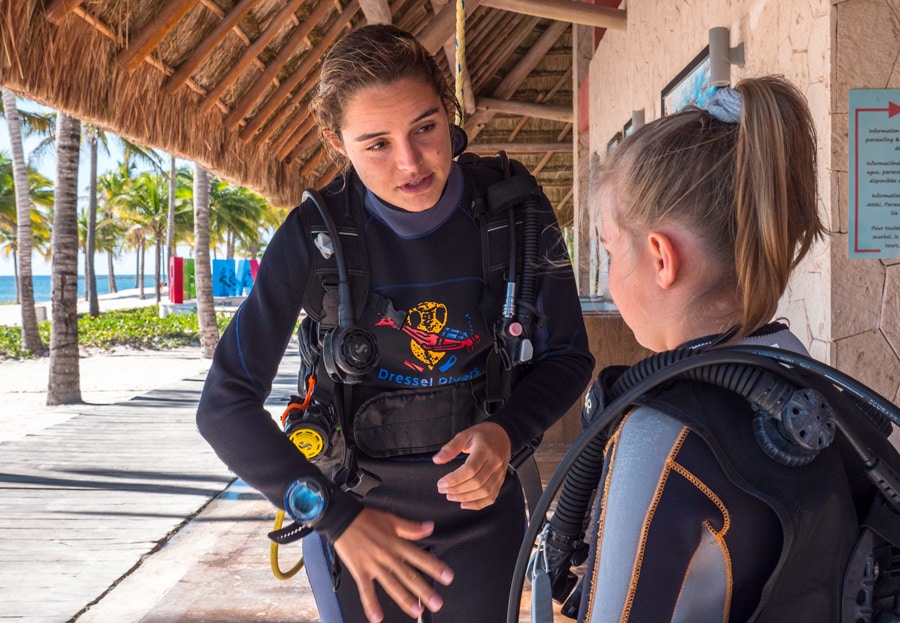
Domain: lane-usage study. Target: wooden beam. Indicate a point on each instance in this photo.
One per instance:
(264, 81)
(250, 54)
(296, 100)
(520, 148)
(313, 163)
(309, 61)
(565, 11)
(59, 9)
(143, 42)
(528, 62)
(376, 11)
(202, 51)
(292, 134)
(538, 111)
(563, 79)
(516, 29)
(310, 140)
(442, 26)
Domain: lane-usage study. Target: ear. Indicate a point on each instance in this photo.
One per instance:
(334, 140)
(666, 259)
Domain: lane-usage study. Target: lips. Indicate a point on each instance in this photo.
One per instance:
(417, 185)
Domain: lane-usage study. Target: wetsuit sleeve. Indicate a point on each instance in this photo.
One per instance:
(231, 414)
(563, 364)
(659, 530)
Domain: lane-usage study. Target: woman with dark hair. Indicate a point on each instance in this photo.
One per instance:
(440, 530)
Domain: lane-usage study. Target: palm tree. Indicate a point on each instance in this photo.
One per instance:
(31, 338)
(40, 194)
(206, 312)
(146, 205)
(235, 214)
(64, 385)
(97, 138)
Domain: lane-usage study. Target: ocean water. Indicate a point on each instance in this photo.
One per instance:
(42, 286)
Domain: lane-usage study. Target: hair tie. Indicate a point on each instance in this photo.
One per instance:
(725, 105)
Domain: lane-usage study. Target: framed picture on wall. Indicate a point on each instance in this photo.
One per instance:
(690, 86)
(615, 140)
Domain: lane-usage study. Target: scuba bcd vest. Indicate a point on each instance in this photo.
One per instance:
(803, 415)
(337, 353)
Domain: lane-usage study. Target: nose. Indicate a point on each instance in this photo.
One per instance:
(408, 156)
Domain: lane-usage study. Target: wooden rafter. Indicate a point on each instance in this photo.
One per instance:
(520, 147)
(566, 77)
(309, 141)
(202, 51)
(514, 78)
(376, 11)
(297, 128)
(565, 11)
(250, 54)
(310, 60)
(59, 9)
(145, 41)
(264, 81)
(517, 29)
(278, 117)
(538, 111)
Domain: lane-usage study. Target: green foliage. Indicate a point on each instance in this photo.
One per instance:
(140, 328)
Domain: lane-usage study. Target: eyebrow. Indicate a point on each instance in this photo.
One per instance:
(424, 115)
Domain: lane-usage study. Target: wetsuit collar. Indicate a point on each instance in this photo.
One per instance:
(414, 224)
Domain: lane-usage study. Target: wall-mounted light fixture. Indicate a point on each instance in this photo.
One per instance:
(637, 119)
(722, 56)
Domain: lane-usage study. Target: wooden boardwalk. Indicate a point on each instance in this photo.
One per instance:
(123, 514)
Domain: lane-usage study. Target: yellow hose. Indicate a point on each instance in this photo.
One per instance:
(273, 553)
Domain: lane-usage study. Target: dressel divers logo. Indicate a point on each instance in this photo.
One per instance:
(431, 343)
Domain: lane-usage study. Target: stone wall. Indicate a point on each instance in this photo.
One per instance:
(846, 312)
(865, 294)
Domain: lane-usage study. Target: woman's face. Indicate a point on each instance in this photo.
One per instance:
(397, 137)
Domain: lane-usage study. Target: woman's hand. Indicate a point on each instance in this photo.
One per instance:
(477, 483)
(376, 547)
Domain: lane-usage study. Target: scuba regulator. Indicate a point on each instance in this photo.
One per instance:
(800, 406)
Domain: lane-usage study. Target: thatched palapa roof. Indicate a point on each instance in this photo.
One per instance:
(226, 82)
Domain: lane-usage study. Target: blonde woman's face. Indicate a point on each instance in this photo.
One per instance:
(397, 137)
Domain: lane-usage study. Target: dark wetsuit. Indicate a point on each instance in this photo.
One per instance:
(703, 527)
(428, 264)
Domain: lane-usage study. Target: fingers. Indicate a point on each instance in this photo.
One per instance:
(451, 449)
(475, 492)
(377, 547)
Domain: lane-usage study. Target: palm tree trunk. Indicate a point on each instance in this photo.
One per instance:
(31, 338)
(157, 251)
(15, 259)
(64, 386)
(170, 224)
(142, 255)
(110, 270)
(206, 311)
(90, 275)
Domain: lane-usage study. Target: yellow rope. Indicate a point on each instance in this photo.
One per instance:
(460, 56)
(273, 553)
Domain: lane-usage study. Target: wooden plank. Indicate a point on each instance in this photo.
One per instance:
(205, 48)
(143, 42)
(565, 11)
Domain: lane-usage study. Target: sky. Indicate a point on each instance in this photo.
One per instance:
(126, 263)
